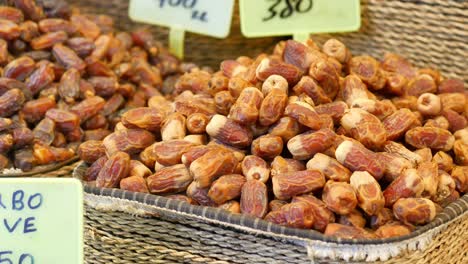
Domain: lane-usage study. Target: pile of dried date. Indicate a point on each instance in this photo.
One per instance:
(65, 77)
(307, 137)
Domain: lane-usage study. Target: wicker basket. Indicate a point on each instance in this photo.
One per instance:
(129, 227)
(125, 227)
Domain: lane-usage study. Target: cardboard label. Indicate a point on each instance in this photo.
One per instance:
(41, 221)
(207, 17)
(298, 17)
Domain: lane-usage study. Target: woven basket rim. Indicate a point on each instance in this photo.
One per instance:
(451, 212)
(40, 170)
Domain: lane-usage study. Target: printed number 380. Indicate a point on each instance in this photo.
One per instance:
(299, 6)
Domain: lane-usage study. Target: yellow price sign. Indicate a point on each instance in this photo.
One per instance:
(41, 221)
(298, 17)
(206, 17)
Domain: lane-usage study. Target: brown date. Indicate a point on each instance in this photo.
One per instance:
(171, 179)
(226, 187)
(289, 184)
(254, 198)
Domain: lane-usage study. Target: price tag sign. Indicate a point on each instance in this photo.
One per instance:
(41, 221)
(298, 17)
(206, 17)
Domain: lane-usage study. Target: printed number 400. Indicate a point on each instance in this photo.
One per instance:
(299, 6)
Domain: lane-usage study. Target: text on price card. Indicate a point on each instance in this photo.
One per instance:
(41, 221)
(288, 17)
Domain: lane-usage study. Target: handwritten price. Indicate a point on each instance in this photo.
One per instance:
(292, 6)
(187, 4)
(23, 258)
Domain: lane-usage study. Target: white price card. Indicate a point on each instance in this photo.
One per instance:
(41, 221)
(207, 17)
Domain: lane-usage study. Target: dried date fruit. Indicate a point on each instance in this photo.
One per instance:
(417, 211)
(281, 165)
(255, 168)
(254, 198)
(286, 128)
(304, 113)
(211, 165)
(226, 188)
(10, 102)
(304, 146)
(130, 140)
(460, 176)
(322, 215)
(171, 179)
(114, 170)
(199, 195)
(339, 197)
(143, 117)
(69, 88)
(67, 57)
(392, 230)
(356, 157)
(170, 152)
(368, 192)
(431, 137)
(350, 232)
(22, 136)
(460, 149)
(329, 167)
(267, 146)
(408, 184)
(364, 127)
(91, 150)
(48, 40)
(231, 206)
(383, 217)
(19, 68)
(355, 218)
(35, 110)
(398, 123)
(134, 184)
(289, 184)
(228, 131)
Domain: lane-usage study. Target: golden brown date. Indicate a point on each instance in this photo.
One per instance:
(355, 218)
(304, 146)
(211, 165)
(356, 157)
(351, 232)
(171, 179)
(364, 127)
(254, 198)
(170, 152)
(228, 131)
(339, 197)
(408, 184)
(322, 215)
(114, 170)
(431, 137)
(226, 187)
(91, 150)
(368, 192)
(267, 146)
(392, 230)
(329, 167)
(134, 184)
(289, 184)
(286, 127)
(255, 168)
(416, 211)
(130, 140)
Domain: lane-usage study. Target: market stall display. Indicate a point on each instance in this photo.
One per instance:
(330, 149)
